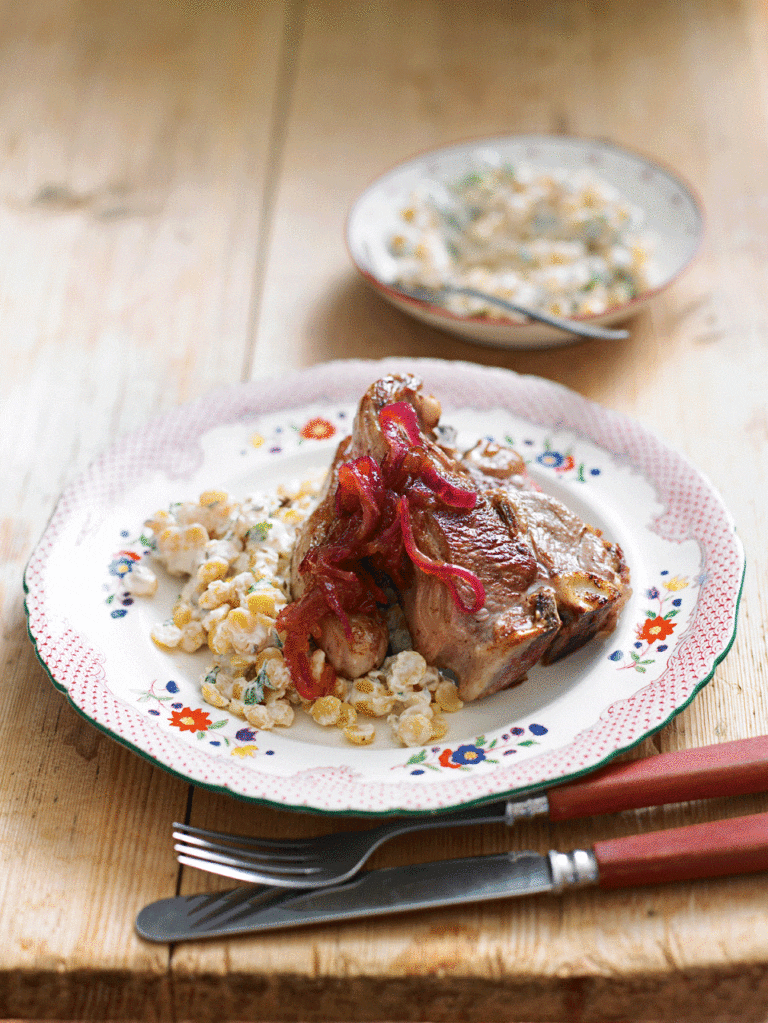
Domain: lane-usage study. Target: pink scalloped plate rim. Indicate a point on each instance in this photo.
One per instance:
(692, 568)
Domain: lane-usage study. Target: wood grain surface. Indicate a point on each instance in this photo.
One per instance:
(173, 189)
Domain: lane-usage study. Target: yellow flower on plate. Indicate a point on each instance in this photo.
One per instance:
(676, 583)
(257, 440)
(244, 751)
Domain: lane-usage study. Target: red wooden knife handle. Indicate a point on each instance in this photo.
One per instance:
(726, 769)
(735, 846)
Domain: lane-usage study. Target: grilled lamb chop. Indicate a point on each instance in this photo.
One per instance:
(492, 575)
(588, 574)
(486, 648)
(496, 646)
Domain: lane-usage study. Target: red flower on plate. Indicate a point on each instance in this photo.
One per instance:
(317, 429)
(655, 629)
(187, 720)
(445, 758)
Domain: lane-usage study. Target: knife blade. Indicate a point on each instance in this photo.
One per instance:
(713, 849)
(373, 893)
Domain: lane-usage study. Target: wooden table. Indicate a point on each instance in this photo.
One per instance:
(174, 183)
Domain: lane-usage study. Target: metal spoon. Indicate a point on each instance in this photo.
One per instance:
(435, 296)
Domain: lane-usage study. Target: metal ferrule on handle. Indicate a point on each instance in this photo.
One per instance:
(575, 869)
(524, 809)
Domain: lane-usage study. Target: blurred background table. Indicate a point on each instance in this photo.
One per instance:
(173, 188)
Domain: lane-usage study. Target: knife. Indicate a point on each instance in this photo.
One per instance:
(737, 845)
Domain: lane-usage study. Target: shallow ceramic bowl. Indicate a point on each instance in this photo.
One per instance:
(673, 217)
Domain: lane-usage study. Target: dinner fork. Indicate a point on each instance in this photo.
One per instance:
(327, 859)
(734, 768)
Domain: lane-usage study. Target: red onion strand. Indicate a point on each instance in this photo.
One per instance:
(444, 571)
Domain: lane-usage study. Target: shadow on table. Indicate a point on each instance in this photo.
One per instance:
(353, 322)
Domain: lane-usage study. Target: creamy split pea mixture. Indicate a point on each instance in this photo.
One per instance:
(235, 558)
(565, 243)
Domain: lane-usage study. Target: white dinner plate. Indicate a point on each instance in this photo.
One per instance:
(673, 218)
(679, 541)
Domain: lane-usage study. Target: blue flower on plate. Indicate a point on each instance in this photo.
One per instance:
(552, 459)
(468, 755)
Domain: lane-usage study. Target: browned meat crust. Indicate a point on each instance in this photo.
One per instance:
(495, 647)
(354, 655)
(588, 575)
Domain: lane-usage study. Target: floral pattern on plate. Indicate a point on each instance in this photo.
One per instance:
(121, 566)
(653, 635)
(481, 750)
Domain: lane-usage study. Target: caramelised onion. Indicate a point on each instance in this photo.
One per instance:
(412, 457)
(396, 420)
(372, 525)
(299, 621)
(360, 488)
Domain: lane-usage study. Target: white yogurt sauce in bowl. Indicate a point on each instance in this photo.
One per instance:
(568, 244)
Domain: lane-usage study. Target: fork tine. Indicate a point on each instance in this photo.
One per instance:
(250, 876)
(221, 836)
(251, 853)
(245, 860)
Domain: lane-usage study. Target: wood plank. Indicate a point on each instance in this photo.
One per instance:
(685, 84)
(136, 151)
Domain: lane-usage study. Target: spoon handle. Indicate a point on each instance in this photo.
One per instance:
(570, 326)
